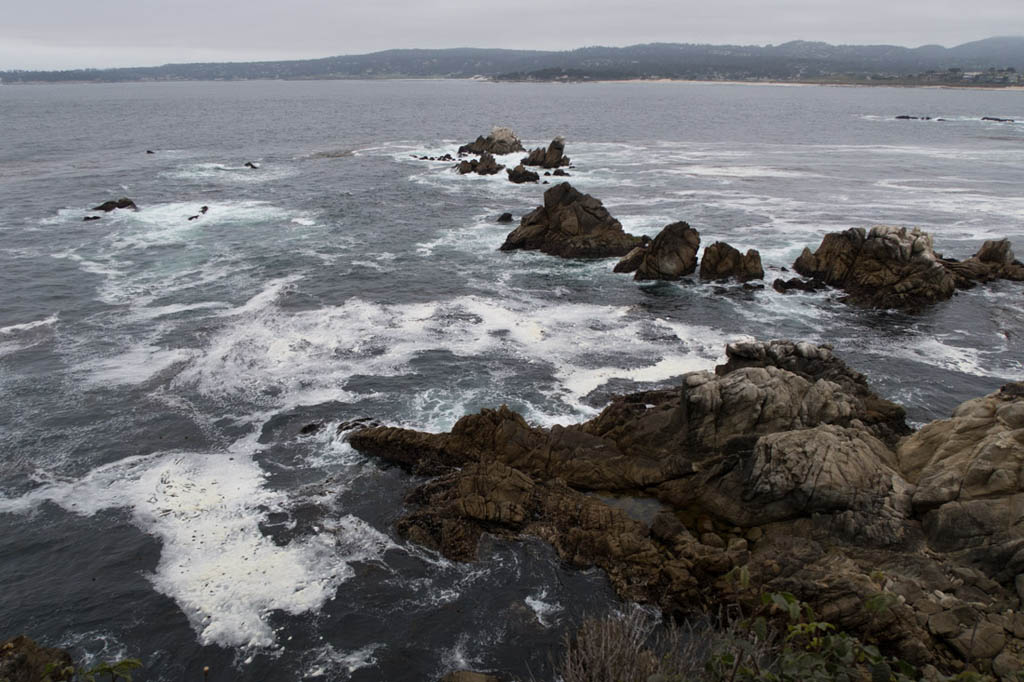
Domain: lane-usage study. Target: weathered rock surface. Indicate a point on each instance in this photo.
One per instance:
(784, 286)
(500, 141)
(632, 260)
(519, 175)
(552, 157)
(672, 254)
(892, 267)
(485, 165)
(887, 267)
(468, 676)
(722, 261)
(108, 206)
(505, 218)
(22, 660)
(571, 224)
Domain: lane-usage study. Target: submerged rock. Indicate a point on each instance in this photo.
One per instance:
(113, 204)
(784, 286)
(500, 141)
(672, 254)
(505, 218)
(552, 157)
(571, 224)
(722, 261)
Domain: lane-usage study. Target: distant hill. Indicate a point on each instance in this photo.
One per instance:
(797, 60)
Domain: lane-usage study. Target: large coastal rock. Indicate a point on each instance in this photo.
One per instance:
(500, 141)
(782, 462)
(23, 660)
(114, 204)
(571, 224)
(969, 473)
(722, 261)
(994, 260)
(485, 165)
(519, 175)
(887, 267)
(672, 255)
(552, 157)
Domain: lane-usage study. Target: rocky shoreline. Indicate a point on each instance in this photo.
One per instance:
(783, 464)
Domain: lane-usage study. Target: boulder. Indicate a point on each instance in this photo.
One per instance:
(252, 164)
(89, 218)
(108, 206)
(887, 267)
(552, 157)
(994, 260)
(519, 175)
(22, 660)
(784, 286)
(672, 254)
(571, 224)
(500, 141)
(485, 165)
(969, 473)
(631, 261)
(505, 218)
(722, 261)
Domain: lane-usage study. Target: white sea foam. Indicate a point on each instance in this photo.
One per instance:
(333, 664)
(229, 173)
(215, 563)
(25, 326)
(546, 611)
(135, 365)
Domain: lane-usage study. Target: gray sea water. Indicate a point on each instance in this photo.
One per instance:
(157, 499)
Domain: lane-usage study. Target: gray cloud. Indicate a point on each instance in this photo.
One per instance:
(72, 34)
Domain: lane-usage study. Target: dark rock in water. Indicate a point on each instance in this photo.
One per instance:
(722, 261)
(552, 157)
(887, 267)
(204, 209)
(796, 284)
(251, 164)
(997, 120)
(505, 218)
(309, 429)
(90, 217)
(468, 676)
(193, 217)
(747, 286)
(150, 151)
(631, 261)
(519, 175)
(108, 206)
(547, 173)
(500, 141)
(904, 117)
(672, 255)
(782, 461)
(22, 660)
(571, 224)
(994, 260)
(561, 173)
(360, 423)
(485, 165)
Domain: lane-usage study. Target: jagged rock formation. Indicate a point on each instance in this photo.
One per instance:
(552, 157)
(519, 175)
(486, 165)
(783, 462)
(672, 254)
(571, 224)
(722, 261)
(22, 660)
(500, 141)
(108, 206)
(892, 267)
(505, 218)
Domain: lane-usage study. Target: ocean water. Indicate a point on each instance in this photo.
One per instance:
(157, 499)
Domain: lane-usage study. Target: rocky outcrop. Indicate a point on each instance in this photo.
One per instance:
(672, 254)
(500, 141)
(892, 267)
(22, 660)
(887, 267)
(632, 260)
(485, 165)
(113, 204)
(571, 224)
(519, 175)
(505, 218)
(969, 477)
(722, 261)
(468, 676)
(552, 157)
(782, 462)
(784, 286)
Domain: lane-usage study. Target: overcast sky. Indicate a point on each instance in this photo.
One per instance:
(54, 34)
